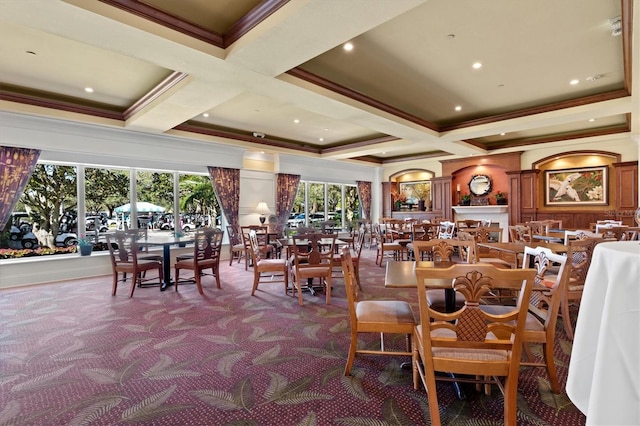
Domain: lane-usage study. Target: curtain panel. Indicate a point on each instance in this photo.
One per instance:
(226, 183)
(16, 167)
(364, 192)
(286, 190)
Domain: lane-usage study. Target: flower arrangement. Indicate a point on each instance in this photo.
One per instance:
(465, 199)
(501, 197)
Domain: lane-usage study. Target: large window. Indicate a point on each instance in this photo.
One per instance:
(47, 213)
(325, 201)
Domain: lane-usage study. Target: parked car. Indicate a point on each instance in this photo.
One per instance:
(295, 220)
(316, 217)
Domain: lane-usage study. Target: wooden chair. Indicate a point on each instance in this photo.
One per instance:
(385, 248)
(312, 258)
(266, 266)
(263, 235)
(421, 232)
(445, 250)
(520, 234)
(544, 306)
(446, 230)
(124, 251)
(619, 233)
(465, 342)
(579, 234)
(579, 253)
(485, 235)
(237, 250)
(206, 255)
(373, 316)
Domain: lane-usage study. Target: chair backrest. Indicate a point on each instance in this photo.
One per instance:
(313, 250)
(579, 234)
(443, 250)
(207, 244)
(618, 233)
(446, 230)
(261, 230)
(469, 327)
(579, 254)
(232, 233)
(466, 252)
(484, 234)
(123, 247)
(254, 247)
(538, 227)
(141, 234)
(328, 226)
(468, 223)
(421, 232)
(350, 283)
(520, 234)
(549, 285)
(358, 242)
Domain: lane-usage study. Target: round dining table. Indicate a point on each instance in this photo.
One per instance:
(604, 371)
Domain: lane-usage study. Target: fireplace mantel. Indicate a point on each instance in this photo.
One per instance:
(480, 209)
(499, 214)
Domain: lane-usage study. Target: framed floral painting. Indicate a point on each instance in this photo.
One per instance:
(576, 187)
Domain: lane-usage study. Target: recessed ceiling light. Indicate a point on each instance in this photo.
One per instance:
(296, 121)
(321, 139)
(458, 108)
(88, 89)
(383, 152)
(348, 46)
(205, 115)
(477, 65)
(502, 134)
(574, 82)
(591, 120)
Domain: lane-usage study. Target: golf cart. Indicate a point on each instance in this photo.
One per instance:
(21, 233)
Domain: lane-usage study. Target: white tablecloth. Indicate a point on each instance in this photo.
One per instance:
(604, 372)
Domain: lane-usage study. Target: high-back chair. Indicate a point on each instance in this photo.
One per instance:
(373, 316)
(313, 258)
(469, 341)
(520, 234)
(206, 255)
(124, 251)
(237, 250)
(485, 234)
(544, 306)
(385, 248)
(446, 230)
(263, 235)
(579, 254)
(277, 269)
(579, 234)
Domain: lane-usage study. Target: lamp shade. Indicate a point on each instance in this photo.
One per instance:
(262, 208)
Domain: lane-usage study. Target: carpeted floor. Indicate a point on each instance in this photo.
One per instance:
(71, 354)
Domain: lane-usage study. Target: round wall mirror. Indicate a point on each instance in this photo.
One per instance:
(480, 185)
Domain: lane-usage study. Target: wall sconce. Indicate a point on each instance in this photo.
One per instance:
(263, 209)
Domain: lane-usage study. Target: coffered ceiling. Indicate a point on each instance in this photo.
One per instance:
(273, 75)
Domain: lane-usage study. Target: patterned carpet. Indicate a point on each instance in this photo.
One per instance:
(71, 354)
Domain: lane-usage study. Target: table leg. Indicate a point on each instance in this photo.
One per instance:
(166, 267)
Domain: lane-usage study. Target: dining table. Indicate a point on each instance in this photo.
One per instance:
(604, 370)
(551, 236)
(166, 241)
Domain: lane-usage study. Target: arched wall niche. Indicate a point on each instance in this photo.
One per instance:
(411, 175)
(576, 160)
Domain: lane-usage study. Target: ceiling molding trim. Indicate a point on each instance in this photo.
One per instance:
(360, 144)
(169, 82)
(627, 27)
(357, 96)
(616, 94)
(54, 104)
(251, 19)
(167, 20)
(246, 138)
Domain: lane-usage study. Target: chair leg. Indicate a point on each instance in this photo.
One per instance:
(217, 275)
(328, 284)
(510, 399)
(352, 352)
(198, 277)
(551, 367)
(134, 280)
(177, 275)
(256, 280)
(115, 283)
(566, 318)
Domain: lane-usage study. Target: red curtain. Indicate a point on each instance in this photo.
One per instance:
(16, 168)
(286, 190)
(364, 192)
(226, 183)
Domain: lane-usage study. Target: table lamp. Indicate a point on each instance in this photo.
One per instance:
(263, 209)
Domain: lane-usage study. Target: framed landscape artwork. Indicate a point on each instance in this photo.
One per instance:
(576, 187)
